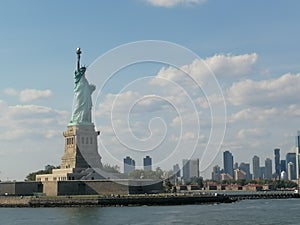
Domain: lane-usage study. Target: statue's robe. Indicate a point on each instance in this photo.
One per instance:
(82, 103)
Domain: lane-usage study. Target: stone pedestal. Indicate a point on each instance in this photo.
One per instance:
(81, 148)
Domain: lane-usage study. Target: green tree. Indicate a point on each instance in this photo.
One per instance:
(111, 169)
(48, 169)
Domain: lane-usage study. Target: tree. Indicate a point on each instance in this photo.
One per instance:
(48, 169)
(167, 185)
(111, 169)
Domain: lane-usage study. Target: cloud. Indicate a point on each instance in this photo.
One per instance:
(255, 114)
(283, 90)
(232, 65)
(28, 95)
(172, 3)
(199, 71)
(30, 121)
(252, 133)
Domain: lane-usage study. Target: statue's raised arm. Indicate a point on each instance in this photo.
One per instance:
(82, 103)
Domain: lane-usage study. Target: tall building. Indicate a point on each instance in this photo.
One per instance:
(190, 169)
(262, 171)
(268, 168)
(277, 162)
(246, 168)
(283, 165)
(176, 170)
(256, 167)
(297, 154)
(194, 168)
(228, 163)
(291, 171)
(129, 165)
(216, 173)
(185, 169)
(147, 163)
(291, 158)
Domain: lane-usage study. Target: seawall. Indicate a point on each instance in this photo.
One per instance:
(88, 201)
(133, 200)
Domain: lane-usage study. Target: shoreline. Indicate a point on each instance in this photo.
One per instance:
(133, 200)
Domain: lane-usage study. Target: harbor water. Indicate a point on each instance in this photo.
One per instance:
(259, 212)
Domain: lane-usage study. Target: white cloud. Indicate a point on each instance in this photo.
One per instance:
(252, 133)
(279, 91)
(172, 3)
(196, 74)
(30, 121)
(255, 114)
(28, 95)
(232, 65)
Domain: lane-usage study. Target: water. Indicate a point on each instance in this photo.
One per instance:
(258, 212)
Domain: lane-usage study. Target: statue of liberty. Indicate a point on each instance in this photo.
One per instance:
(82, 103)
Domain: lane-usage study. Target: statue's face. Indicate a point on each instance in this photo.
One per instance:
(83, 69)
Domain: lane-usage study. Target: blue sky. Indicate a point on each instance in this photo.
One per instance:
(259, 40)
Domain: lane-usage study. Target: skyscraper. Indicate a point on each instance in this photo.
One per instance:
(176, 170)
(291, 172)
(246, 168)
(190, 169)
(129, 165)
(256, 167)
(228, 163)
(147, 163)
(216, 173)
(277, 162)
(268, 168)
(194, 168)
(185, 169)
(283, 165)
(297, 154)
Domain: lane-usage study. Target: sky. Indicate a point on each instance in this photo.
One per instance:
(223, 75)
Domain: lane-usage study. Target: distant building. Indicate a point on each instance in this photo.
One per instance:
(246, 168)
(239, 174)
(292, 171)
(147, 163)
(226, 176)
(194, 168)
(176, 170)
(297, 154)
(185, 169)
(236, 165)
(283, 165)
(190, 169)
(129, 165)
(256, 167)
(283, 175)
(228, 163)
(216, 173)
(277, 162)
(268, 168)
(262, 171)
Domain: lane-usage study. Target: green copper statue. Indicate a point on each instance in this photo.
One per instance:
(82, 103)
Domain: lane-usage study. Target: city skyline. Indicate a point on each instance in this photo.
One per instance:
(150, 108)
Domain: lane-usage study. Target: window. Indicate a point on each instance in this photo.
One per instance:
(82, 140)
(91, 140)
(87, 140)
